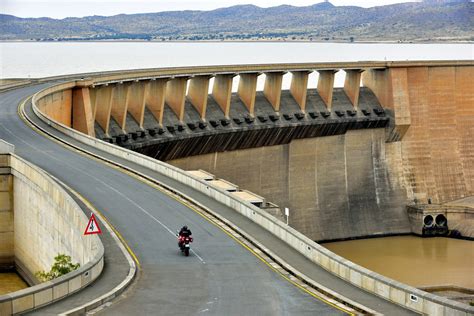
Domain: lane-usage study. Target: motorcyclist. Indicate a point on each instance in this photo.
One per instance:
(184, 232)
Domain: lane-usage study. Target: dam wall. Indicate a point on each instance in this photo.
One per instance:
(336, 187)
(39, 220)
(434, 118)
(393, 291)
(346, 161)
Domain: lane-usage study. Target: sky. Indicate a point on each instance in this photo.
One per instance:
(78, 8)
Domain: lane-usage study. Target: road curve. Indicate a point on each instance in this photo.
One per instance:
(220, 278)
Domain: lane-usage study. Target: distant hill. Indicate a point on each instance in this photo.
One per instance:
(420, 21)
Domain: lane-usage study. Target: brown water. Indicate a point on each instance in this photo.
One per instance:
(415, 261)
(11, 282)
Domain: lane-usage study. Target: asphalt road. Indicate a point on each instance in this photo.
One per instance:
(219, 278)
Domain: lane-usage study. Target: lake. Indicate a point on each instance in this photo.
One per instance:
(36, 59)
(419, 262)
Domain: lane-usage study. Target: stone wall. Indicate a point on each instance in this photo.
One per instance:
(336, 187)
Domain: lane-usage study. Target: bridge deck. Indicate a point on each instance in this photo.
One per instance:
(268, 240)
(220, 276)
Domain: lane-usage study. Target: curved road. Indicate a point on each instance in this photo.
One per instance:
(220, 278)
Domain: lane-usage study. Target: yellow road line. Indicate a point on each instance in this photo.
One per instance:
(104, 218)
(80, 196)
(193, 208)
(161, 189)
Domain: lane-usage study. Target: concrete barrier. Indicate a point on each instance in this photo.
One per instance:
(47, 222)
(386, 288)
(15, 83)
(6, 148)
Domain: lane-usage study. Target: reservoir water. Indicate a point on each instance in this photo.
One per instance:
(36, 59)
(420, 262)
(11, 282)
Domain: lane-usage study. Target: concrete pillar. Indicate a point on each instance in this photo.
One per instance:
(155, 98)
(82, 117)
(299, 87)
(247, 90)
(120, 93)
(390, 86)
(103, 107)
(272, 88)
(136, 102)
(352, 85)
(326, 86)
(176, 95)
(222, 91)
(198, 92)
(93, 97)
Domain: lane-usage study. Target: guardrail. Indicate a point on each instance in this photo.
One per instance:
(48, 292)
(377, 284)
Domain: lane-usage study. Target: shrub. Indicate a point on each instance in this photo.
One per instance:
(62, 265)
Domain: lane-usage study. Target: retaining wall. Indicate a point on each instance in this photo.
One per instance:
(391, 290)
(47, 221)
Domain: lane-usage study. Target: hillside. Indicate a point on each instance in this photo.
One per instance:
(322, 21)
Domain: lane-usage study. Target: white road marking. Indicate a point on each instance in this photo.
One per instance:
(107, 185)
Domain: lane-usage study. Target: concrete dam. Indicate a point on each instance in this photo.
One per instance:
(346, 161)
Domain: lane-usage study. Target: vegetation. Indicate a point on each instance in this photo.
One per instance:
(62, 265)
(320, 22)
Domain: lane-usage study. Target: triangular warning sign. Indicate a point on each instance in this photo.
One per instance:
(92, 227)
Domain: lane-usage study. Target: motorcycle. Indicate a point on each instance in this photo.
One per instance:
(184, 244)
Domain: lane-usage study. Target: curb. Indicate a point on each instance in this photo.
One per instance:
(329, 295)
(119, 289)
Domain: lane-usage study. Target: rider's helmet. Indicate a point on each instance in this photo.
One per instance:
(185, 227)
